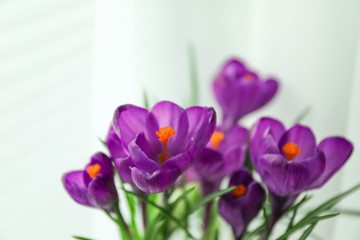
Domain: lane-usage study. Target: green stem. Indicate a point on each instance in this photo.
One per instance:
(124, 229)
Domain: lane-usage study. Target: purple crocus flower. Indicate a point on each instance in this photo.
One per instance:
(161, 143)
(240, 91)
(290, 161)
(223, 155)
(243, 203)
(94, 186)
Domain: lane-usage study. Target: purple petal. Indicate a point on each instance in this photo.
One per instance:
(117, 115)
(337, 150)
(155, 182)
(169, 114)
(303, 137)
(115, 145)
(183, 160)
(232, 214)
(202, 122)
(253, 201)
(131, 122)
(123, 168)
(138, 149)
(105, 162)
(233, 69)
(75, 185)
(209, 164)
(282, 177)
(234, 159)
(102, 193)
(262, 128)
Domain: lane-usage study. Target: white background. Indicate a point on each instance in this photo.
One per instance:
(65, 66)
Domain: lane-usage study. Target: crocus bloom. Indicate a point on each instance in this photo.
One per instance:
(223, 155)
(243, 203)
(94, 186)
(290, 161)
(121, 156)
(162, 142)
(240, 91)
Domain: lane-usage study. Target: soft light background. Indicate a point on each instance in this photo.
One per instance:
(65, 65)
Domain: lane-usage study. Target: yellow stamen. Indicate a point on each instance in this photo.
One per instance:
(93, 170)
(291, 150)
(239, 191)
(164, 135)
(216, 138)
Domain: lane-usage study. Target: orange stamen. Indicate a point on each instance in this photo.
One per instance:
(239, 191)
(164, 135)
(216, 138)
(248, 77)
(93, 170)
(291, 150)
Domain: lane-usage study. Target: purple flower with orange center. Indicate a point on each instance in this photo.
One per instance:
(290, 161)
(160, 144)
(223, 155)
(94, 186)
(240, 91)
(243, 203)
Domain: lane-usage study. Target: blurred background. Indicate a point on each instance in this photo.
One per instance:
(65, 65)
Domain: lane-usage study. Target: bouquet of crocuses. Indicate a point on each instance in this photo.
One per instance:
(176, 166)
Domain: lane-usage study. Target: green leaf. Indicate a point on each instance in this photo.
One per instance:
(82, 238)
(210, 197)
(132, 203)
(305, 222)
(302, 115)
(145, 100)
(103, 142)
(332, 202)
(307, 232)
(350, 212)
(154, 227)
(193, 75)
(182, 196)
(298, 204)
(165, 211)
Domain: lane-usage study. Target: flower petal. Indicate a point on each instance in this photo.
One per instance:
(138, 149)
(102, 193)
(75, 185)
(117, 115)
(169, 114)
(282, 177)
(115, 145)
(303, 137)
(183, 160)
(262, 128)
(337, 150)
(123, 168)
(130, 123)
(202, 122)
(209, 164)
(155, 182)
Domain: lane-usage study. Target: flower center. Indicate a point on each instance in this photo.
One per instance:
(239, 191)
(291, 150)
(164, 135)
(216, 138)
(93, 170)
(248, 77)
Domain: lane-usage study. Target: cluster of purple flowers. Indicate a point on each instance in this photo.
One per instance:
(151, 149)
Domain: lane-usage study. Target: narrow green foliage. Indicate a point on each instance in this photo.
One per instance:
(209, 198)
(302, 115)
(165, 211)
(193, 76)
(145, 100)
(82, 238)
(307, 232)
(102, 142)
(304, 223)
